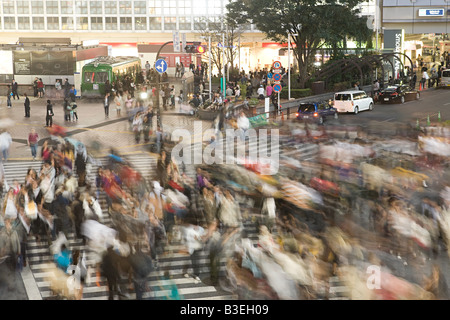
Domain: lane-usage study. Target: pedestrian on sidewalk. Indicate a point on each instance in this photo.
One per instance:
(118, 101)
(137, 126)
(33, 139)
(67, 109)
(14, 87)
(172, 97)
(49, 114)
(66, 88)
(40, 86)
(35, 88)
(8, 97)
(5, 144)
(147, 123)
(106, 103)
(27, 106)
(73, 111)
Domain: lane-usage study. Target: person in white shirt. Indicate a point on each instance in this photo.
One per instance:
(243, 124)
(260, 92)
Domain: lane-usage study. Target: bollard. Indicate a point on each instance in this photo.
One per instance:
(439, 116)
(428, 120)
(417, 124)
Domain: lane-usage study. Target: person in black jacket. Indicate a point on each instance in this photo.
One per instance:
(14, 87)
(49, 114)
(27, 106)
(106, 104)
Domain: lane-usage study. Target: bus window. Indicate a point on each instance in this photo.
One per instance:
(88, 77)
(101, 77)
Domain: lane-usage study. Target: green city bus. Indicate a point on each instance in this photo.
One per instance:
(96, 73)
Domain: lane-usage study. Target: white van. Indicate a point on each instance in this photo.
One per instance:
(445, 78)
(352, 101)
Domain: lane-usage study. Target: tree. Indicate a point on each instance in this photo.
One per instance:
(312, 25)
(215, 29)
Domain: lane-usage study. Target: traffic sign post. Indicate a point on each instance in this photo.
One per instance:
(277, 77)
(277, 88)
(161, 66)
(276, 65)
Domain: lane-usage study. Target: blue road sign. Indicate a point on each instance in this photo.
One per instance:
(269, 75)
(161, 65)
(276, 77)
(277, 87)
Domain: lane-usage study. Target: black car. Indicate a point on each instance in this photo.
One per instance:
(316, 111)
(398, 94)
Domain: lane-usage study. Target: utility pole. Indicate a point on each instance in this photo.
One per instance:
(158, 83)
(210, 68)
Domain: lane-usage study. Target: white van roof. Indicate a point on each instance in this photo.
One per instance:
(349, 91)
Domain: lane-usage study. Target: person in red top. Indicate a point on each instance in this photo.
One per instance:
(33, 139)
(40, 87)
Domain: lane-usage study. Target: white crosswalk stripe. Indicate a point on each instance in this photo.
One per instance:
(39, 254)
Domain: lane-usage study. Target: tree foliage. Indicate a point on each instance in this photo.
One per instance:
(312, 24)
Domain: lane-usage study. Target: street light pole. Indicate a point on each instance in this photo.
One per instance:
(223, 67)
(158, 108)
(210, 69)
(289, 66)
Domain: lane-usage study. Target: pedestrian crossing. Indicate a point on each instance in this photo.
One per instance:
(172, 261)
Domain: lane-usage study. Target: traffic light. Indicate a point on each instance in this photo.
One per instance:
(196, 47)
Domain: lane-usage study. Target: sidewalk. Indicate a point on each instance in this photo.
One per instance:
(91, 127)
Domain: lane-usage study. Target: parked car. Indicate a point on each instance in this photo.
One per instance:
(352, 101)
(398, 94)
(316, 111)
(445, 78)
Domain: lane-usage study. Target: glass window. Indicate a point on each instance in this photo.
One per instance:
(154, 7)
(125, 7)
(170, 7)
(185, 23)
(100, 76)
(342, 97)
(110, 7)
(23, 23)
(88, 77)
(8, 7)
(170, 23)
(10, 23)
(199, 7)
(215, 6)
(125, 23)
(155, 23)
(52, 7)
(184, 7)
(306, 108)
(96, 23)
(82, 23)
(52, 23)
(38, 23)
(66, 7)
(110, 23)
(140, 23)
(37, 7)
(81, 7)
(23, 7)
(95, 7)
(139, 7)
(199, 23)
(66, 23)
